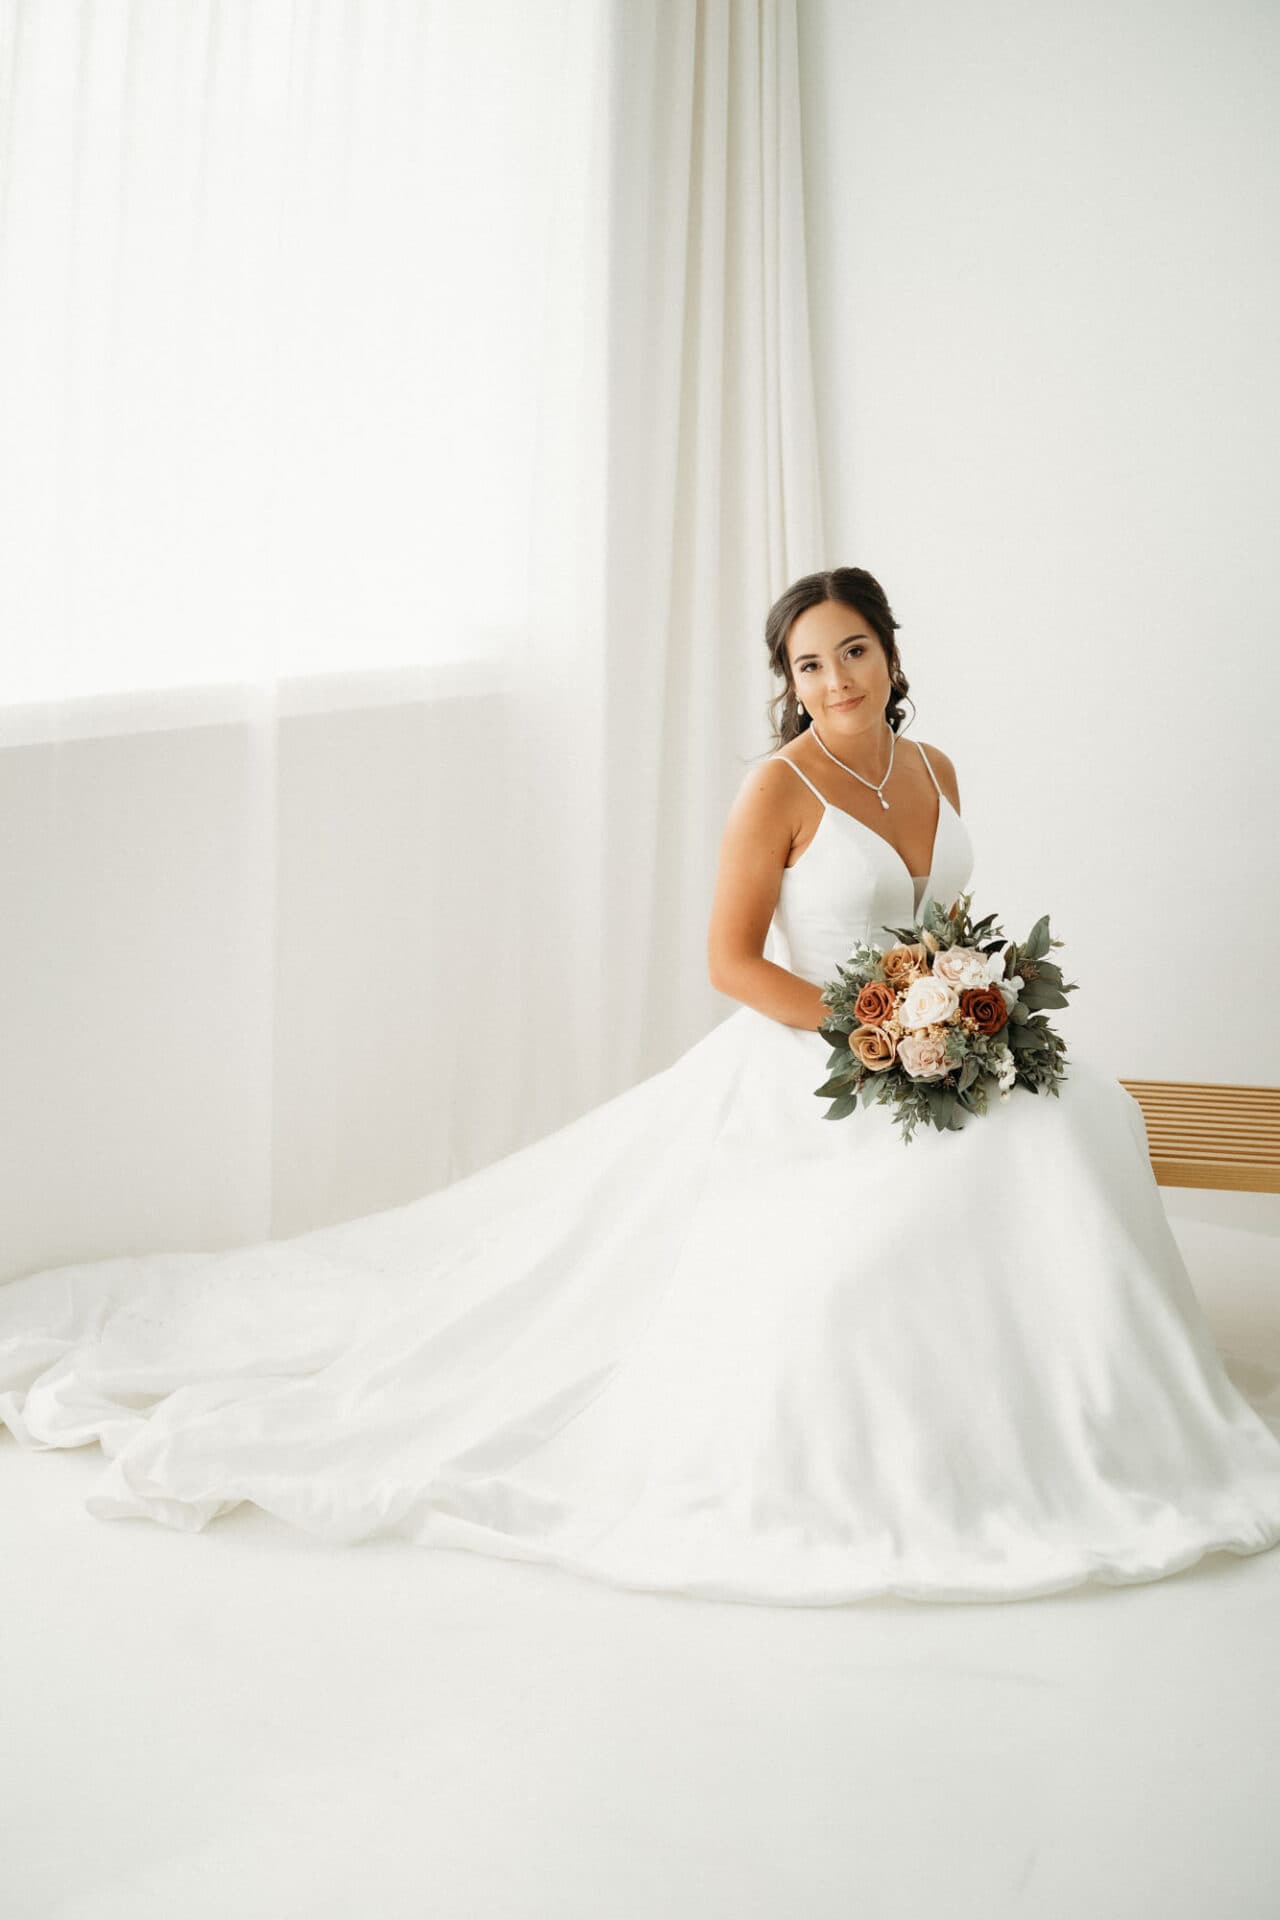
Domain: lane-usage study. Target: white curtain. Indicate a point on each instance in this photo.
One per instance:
(407, 421)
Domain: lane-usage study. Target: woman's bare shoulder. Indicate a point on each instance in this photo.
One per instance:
(944, 767)
(765, 775)
(769, 808)
(766, 786)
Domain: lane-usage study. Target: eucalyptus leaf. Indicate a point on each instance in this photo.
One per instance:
(845, 1104)
(1040, 994)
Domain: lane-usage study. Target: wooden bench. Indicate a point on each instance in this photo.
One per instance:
(1202, 1135)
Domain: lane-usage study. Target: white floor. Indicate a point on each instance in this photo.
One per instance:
(246, 1723)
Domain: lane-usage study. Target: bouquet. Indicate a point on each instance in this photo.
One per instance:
(934, 1024)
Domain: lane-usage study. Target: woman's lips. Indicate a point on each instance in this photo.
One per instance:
(838, 704)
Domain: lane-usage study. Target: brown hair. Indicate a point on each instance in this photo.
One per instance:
(856, 589)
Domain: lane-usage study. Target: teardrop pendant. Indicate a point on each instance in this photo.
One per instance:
(876, 788)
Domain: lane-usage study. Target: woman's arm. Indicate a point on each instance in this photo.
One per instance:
(758, 837)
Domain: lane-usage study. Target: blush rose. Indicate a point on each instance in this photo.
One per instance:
(924, 1055)
(963, 967)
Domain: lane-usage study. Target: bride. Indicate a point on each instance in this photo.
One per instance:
(702, 1339)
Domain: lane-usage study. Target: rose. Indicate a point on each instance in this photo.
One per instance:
(986, 1008)
(924, 1055)
(903, 964)
(928, 1002)
(873, 1047)
(963, 967)
(875, 1004)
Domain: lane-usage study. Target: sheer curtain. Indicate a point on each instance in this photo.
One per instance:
(407, 419)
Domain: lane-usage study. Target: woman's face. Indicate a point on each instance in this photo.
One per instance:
(836, 659)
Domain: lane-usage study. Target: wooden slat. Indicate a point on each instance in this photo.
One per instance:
(1187, 1113)
(1186, 1102)
(1211, 1134)
(1261, 1140)
(1206, 1090)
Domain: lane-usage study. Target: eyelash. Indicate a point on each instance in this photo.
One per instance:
(809, 663)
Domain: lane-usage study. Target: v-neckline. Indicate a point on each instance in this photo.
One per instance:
(829, 806)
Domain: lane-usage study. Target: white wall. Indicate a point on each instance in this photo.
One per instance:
(205, 1044)
(1045, 281)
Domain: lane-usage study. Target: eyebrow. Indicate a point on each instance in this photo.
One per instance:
(840, 643)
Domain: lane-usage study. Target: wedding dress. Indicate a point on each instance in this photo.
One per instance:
(702, 1339)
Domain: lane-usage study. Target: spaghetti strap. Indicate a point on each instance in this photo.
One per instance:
(795, 769)
(932, 775)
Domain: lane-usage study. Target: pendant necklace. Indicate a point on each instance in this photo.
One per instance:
(876, 788)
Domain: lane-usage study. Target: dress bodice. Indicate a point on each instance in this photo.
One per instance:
(849, 884)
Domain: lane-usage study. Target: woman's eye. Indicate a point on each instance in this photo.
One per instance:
(849, 652)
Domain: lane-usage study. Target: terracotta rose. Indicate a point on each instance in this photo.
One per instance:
(875, 1003)
(985, 1007)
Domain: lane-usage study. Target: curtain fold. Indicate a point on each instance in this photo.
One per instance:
(403, 854)
(714, 502)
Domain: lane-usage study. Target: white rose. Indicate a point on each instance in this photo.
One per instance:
(928, 1002)
(962, 967)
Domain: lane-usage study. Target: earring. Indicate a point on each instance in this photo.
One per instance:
(799, 706)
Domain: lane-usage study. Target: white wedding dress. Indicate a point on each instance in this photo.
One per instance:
(702, 1339)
